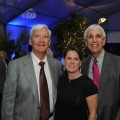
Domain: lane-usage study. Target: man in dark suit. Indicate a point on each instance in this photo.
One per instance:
(21, 96)
(2, 80)
(109, 68)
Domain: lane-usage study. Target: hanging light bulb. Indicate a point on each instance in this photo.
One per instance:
(101, 20)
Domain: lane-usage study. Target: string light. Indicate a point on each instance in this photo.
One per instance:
(73, 35)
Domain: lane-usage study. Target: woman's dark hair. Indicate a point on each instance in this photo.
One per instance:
(73, 48)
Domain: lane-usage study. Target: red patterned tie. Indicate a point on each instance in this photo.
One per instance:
(96, 73)
(44, 95)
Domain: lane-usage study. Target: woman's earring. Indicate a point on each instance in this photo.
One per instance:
(80, 68)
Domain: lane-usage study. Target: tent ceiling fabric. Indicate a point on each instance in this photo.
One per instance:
(52, 11)
(10, 9)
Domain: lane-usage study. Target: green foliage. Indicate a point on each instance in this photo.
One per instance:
(68, 32)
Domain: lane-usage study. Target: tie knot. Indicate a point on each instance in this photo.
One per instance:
(95, 61)
(41, 64)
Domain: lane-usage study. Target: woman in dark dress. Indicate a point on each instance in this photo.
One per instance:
(77, 95)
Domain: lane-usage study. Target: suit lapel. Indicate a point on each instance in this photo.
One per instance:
(85, 65)
(30, 74)
(50, 66)
(53, 76)
(105, 72)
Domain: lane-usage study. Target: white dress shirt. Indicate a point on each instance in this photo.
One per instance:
(37, 68)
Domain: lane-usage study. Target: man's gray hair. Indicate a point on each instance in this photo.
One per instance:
(94, 27)
(38, 27)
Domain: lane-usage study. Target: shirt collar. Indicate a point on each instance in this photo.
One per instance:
(100, 58)
(37, 60)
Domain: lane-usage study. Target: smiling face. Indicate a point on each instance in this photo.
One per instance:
(95, 42)
(40, 41)
(72, 62)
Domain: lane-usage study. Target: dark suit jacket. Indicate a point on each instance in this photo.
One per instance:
(20, 96)
(109, 89)
(2, 75)
(2, 80)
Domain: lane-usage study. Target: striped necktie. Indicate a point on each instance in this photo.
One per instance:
(44, 95)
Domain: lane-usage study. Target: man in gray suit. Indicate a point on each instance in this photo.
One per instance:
(109, 68)
(21, 96)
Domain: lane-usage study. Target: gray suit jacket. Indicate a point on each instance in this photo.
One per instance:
(109, 89)
(20, 96)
